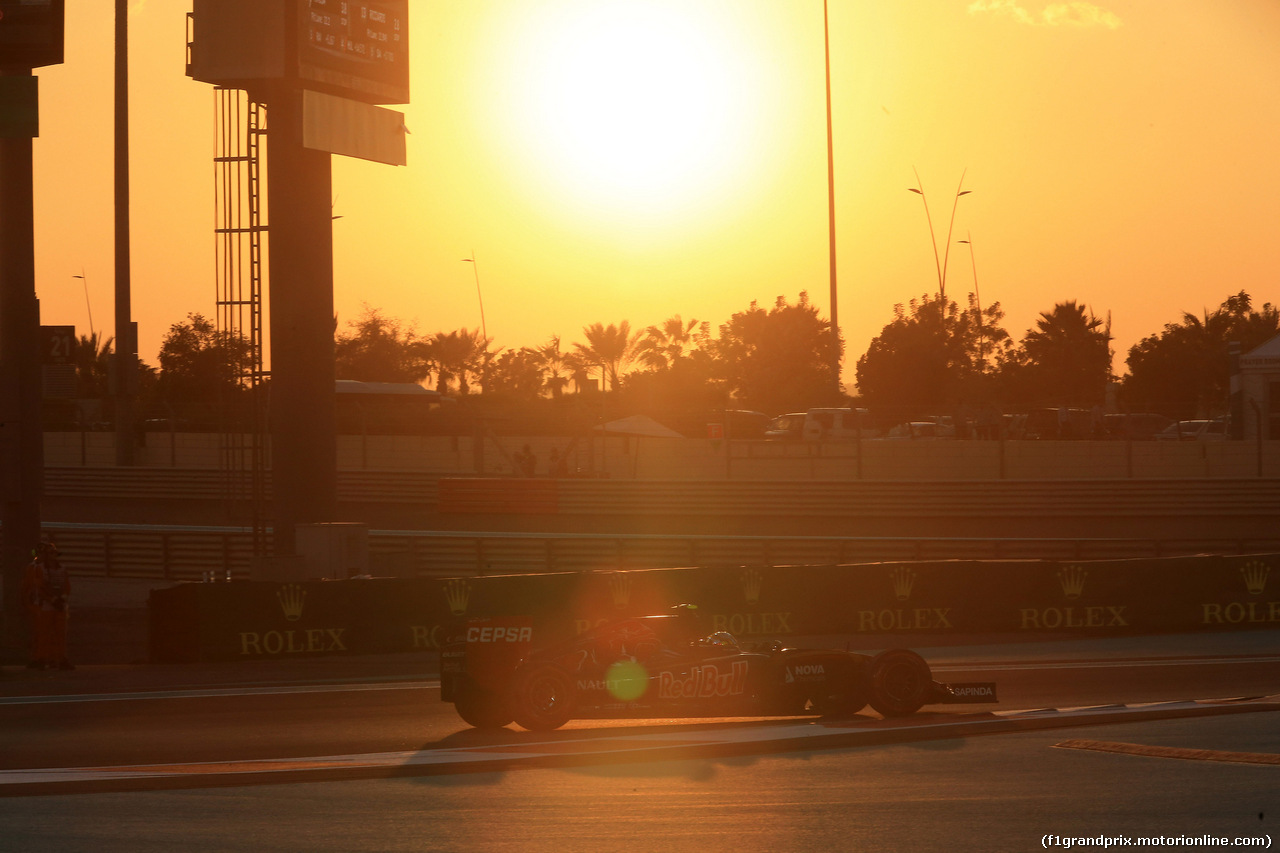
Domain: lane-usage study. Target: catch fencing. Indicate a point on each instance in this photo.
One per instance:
(188, 553)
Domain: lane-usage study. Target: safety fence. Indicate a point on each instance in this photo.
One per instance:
(189, 553)
(774, 498)
(631, 457)
(887, 604)
(602, 497)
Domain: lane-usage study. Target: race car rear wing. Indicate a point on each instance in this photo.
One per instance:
(485, 650)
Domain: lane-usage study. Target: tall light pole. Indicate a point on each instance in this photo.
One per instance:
(977, 298)
(87, 304)
(941, 264)
(831, 204)
(475, 267)
(126, 341)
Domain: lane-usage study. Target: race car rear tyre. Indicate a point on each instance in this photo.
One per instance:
(484, 709)
(542, 697)
(900, 682)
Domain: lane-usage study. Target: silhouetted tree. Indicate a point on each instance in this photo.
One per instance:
(92, 357)
(611, 347)
(931, 357)
(203, 372)
(778, 360)
(518, 373)
(663, 346)
(1182, 371)
(579, 367)
(379, 349)
(555, 363)
(457, 356)
(1064, 360)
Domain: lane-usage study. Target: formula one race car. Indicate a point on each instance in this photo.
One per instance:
(652, 666)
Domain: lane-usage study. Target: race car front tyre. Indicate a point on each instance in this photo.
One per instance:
(484, 709)
(901, 682)
(542, 697)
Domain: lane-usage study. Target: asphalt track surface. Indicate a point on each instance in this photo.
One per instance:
(1122, 738)
(137, 728)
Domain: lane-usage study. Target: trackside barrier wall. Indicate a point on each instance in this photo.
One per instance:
(252, 620)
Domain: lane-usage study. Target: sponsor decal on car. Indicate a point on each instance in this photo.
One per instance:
(972, 691)
(976, 692)
(499, 634)
(708, 681)
(805, 672)
(598, 684)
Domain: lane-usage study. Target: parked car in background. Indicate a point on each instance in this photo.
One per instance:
(922, 430)
(846, 424)
(1197, 429)
(1142, 426)
(1214, 430)
(822, 424)
(786, 427)
(1013, 425)
(1058, 424)
(731, 423)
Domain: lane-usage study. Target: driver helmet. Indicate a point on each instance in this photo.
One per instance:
(686, 620)
(721, 638)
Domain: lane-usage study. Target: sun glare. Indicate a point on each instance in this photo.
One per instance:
(630, 105)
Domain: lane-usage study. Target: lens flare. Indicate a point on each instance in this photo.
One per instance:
(627, 680)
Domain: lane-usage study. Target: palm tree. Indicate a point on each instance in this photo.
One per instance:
(611, 347)
(92, 356)
(579, 367)
(1208, 339)
(554, 363)
(458, 355)
(662, 347)
(1070, 349)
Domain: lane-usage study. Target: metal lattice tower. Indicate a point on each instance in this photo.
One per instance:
(240, 126)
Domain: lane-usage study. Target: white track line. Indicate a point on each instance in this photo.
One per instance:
(205, 692)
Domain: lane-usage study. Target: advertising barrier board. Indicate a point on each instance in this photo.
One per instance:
(257, 620)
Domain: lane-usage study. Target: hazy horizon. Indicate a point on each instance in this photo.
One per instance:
(636, 160)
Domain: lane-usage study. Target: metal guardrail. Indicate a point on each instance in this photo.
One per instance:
(188, 553)
(944, 498)
(808, 498)
(214, 485)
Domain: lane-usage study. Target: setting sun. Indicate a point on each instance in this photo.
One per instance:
(638, 159)
(628, 106)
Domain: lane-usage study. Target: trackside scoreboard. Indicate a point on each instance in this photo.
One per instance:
(31, 33)
(357, 49)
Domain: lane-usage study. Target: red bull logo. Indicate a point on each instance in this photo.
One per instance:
(704, 682)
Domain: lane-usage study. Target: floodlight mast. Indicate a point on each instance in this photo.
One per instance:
(126, 356)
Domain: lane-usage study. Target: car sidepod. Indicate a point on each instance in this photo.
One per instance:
(820, 681)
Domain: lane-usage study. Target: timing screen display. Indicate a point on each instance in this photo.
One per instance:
(360, 46)
(30, 33)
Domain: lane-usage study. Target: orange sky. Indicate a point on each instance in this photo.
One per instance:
(636, 159)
